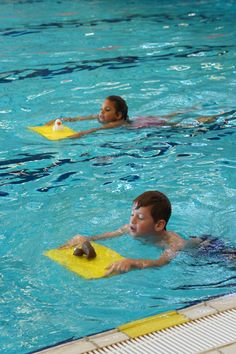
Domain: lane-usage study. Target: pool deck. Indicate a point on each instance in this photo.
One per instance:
(208, 327)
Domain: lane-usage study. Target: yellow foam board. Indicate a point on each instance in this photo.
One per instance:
(50, 134)
(86, 268)
(152, 324)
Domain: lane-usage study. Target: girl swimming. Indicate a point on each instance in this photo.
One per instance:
(114, 113)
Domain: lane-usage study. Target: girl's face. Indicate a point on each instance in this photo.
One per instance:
(108, 112)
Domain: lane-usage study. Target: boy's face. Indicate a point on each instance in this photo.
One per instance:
(141, 222)
(108, 112)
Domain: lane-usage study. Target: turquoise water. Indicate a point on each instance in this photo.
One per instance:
(61, 59)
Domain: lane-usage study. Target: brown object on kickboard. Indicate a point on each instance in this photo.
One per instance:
(86, 249)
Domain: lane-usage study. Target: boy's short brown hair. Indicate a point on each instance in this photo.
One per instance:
(161, 206)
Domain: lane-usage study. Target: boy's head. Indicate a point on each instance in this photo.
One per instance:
(151, 213)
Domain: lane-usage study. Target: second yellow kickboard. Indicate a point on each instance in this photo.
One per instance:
(50, 134)
(87, 268)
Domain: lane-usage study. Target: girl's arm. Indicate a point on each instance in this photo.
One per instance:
(173, 114)
(93, 130)
(78, 240)
(75, 119)
(203, 119)
(209, 119)
(79, 118)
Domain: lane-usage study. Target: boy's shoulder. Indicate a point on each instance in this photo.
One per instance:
(175, 235)
(176, 241)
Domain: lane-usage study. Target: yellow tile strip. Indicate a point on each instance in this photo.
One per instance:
(152, 323)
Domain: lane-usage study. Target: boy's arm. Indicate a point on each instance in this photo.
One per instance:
(93, 130)
(78, 240)
(75, 119)
(127, 264)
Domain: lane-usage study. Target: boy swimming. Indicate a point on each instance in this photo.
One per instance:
(149, 217)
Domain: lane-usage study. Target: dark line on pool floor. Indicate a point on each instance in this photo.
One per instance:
(118, 62)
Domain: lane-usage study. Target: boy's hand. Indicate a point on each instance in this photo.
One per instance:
(122, 266)
(78, 240)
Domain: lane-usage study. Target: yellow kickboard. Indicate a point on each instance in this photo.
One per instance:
(87, 268)
(50, 134)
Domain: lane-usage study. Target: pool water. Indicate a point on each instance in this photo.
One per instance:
(63, 58)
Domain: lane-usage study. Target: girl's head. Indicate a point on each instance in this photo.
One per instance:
(114, 108)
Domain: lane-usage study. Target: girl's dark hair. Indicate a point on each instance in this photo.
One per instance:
(161, 206)
(121, 106)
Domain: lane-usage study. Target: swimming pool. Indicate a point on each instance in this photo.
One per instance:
(61, 59)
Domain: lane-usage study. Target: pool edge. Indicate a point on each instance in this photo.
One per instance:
(148, 325)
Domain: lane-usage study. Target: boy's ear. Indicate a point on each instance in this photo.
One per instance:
(160, 225)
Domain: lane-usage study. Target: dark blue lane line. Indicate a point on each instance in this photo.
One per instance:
(219, 284)
(68, 68)
(3, 194)
(229, 113)
(21, 176)
(65, 176)
(156, 18)
(130, 178)
(25, 175)
(19, 33)
(157, 152)
(47, 189)
(121, 62)
(27, 158)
